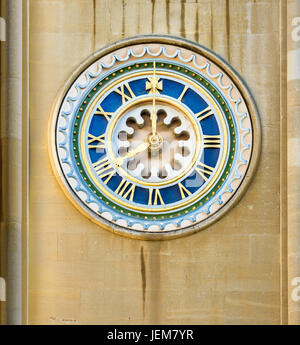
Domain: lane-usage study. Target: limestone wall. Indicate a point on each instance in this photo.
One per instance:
(232, 272)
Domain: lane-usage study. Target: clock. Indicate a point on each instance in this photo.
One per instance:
(154, 137)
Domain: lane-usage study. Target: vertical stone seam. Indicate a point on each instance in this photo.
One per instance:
(14, 178)
(123, 18)
(283, 163)
(182, 22)
(144, 282)
(25, 165)
(168, 15)
(152, 18)
(211, 27)
(228, 28)
(2, 166)
(197, 25)
(94, 26)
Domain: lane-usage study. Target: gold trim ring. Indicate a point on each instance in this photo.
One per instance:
(122, 172)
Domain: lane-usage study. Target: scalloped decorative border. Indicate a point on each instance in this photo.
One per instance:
(177, 226)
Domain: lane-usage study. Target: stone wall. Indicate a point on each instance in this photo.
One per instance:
(234, 272)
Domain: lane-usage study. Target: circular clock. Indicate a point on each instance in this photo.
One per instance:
(154, 137)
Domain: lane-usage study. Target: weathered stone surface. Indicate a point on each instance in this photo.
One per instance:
(226, 274)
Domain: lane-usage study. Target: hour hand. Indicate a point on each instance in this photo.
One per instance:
(142, 147)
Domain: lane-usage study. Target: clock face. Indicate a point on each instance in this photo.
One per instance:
(154, 137)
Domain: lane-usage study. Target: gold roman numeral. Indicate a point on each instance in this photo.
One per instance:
(157, 196)
(203, 169)
(106, 114)
(204, 114)
(121, 91)
(103, 169)
(182, 93)
(122, 188)
(92, 138)
(183, 191)
(212, 141)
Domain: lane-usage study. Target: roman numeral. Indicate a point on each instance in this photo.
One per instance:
(212, 141)
(204, 114)
(183, 191)
(121, 190)
(103, 169)
(100, 139)
(121, 91)
(157, 196)
(182, 93)
(106, 114)
(203, 169)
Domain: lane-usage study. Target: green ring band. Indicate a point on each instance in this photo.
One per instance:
(187, 73)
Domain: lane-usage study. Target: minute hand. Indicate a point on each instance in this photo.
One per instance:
(142, 147)
(154, 85)
(154, 115)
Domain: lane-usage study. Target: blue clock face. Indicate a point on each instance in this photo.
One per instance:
(189, 133)
(152, 144)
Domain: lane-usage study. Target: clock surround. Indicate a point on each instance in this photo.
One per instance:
(133, 60)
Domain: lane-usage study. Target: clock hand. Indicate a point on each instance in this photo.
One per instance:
(142, 147)
(154, 84)
(154, 115)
